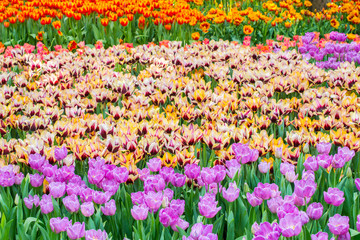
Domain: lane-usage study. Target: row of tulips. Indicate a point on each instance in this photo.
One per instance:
(145, 21)
(242, 200)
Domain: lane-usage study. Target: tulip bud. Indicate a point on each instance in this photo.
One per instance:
(349, 173)
(306, 148)
(165, 202)
(246, 188)
(278, 152)
(16, 200)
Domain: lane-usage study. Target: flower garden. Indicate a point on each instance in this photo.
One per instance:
(192, 120)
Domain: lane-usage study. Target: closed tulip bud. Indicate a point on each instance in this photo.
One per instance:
(306, 148)
(349, 173)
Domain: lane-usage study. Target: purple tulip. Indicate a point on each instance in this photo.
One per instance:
(154, 164)
(168, 194)
(31, 201)
(18, 178)
(315, 210)
(232, 193)
(168, 216)
(253, 200)
(111, 186)
(287, 208)
(110, 208)
(339, 225)
(7, 176)
(233, 166)
(308, 175)
(264, 167)
(324, 160)
(323, 148)
(291, 176)
(57, 189)
(140, 212)
(143, 173)
(266, 190)
(181, 224)
(267, 231)
(290, 225)
(59, 225)
(154, 183)
(86, 194)
(137, 198)
(153, 200)
(73, 189)
(71, 203)
(95, 175)
(36, 180)
(304, 218)
(208, 206)
(167, 173)
(36, 161)
(76, 231)
(60, 153)
(100, 197)
(311, 164)
(192, 171)
(334, 196)
(121, 174)
(338, 161)
(208, 175)
(305, 188)
(220, 173)
(178, 180)
(48, 170)
(347, 153)
(286, 167)
(274, 203)
(320, 236)
(46, 204)
(199, 230)
(178, 206)
(87, 209)
(93, 234)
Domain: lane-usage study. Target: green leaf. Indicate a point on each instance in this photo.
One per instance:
(230, 227)
(28, 221)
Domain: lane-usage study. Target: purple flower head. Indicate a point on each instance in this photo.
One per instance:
(178, 180)
(121, 174)
(268, 231)
(290, 225)
(357, 183)
(304, 218)
(181, 224)
(253, 200)
(347, 153)
(220, 172)
(59, 225)
(154, 164)
(46, 204)
(213, 188)
(334, 196)
(167, 173)
(110, 208)
(345, 236)
(95, 175)
(139, 212)
(93, 234)
(264, 167)
(143, 173)
(334, 36)
(307, 39)
(48, 170)
(18, 178)
(199, 229)
(291, 176)
(31, 201)
(305, 188)
(168, 193)
(153, 200)
(208, 175)
(168, 216)
(7, 176)
(300, 201)
(274, 203)
(60, 153)
(286, 167)
(97, 162)
(208, 206)
(76, 231)
(339, 225)
(338, 161)
(100, 197)
(73, 189)
(137, 198)
(233, 166)
(287, 208)
(232, 193)
(65, 173)
(86, 194)
(192, 171)
(308, 175)
(244, 154)
(87, 209)
(323, 148)
(315, 210)
(178, 205)
(71, 203)
(266, 190)
(36, 161)
(57, 189)
(36, 180)
(324, 160)
(311, 164)
(154, 183)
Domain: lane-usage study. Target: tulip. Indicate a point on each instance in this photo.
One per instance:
(121, 174)
(264, 167)
(338, 161)
(208, 175)
(59, 225)
(154, 164)
(7, 178)
(86, 194)
(36, 180)
(320, 236)
(347, 153)
(192, 171)
(167, 173)
(143, 173)
(60, 153)
(87, 209)
(233, 166)
(71, 203)
(57, 189)
(31, 201)
(73, 189)
(93, 234)
(36, 161)
(275, 203)
(178, 206)
(311, 164)
(323, 148)
(137, 198)
(178, 180)
(338, 225)
(334, 196)
(153, 200)
(110, 208)
(100, 197)
(18, 178)
(290, 225)
(266, 191)
(76, 231)
(207, 205)
(46, 204)
(232, 193)
(168, 216)
(324, 160)
(305, 188)
(140, 212)
(253, 200)
(267, 231)
(287, 208)
(181, 224)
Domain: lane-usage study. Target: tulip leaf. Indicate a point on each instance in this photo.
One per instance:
(230, 226)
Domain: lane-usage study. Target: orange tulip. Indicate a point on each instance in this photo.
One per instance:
(248, 29)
